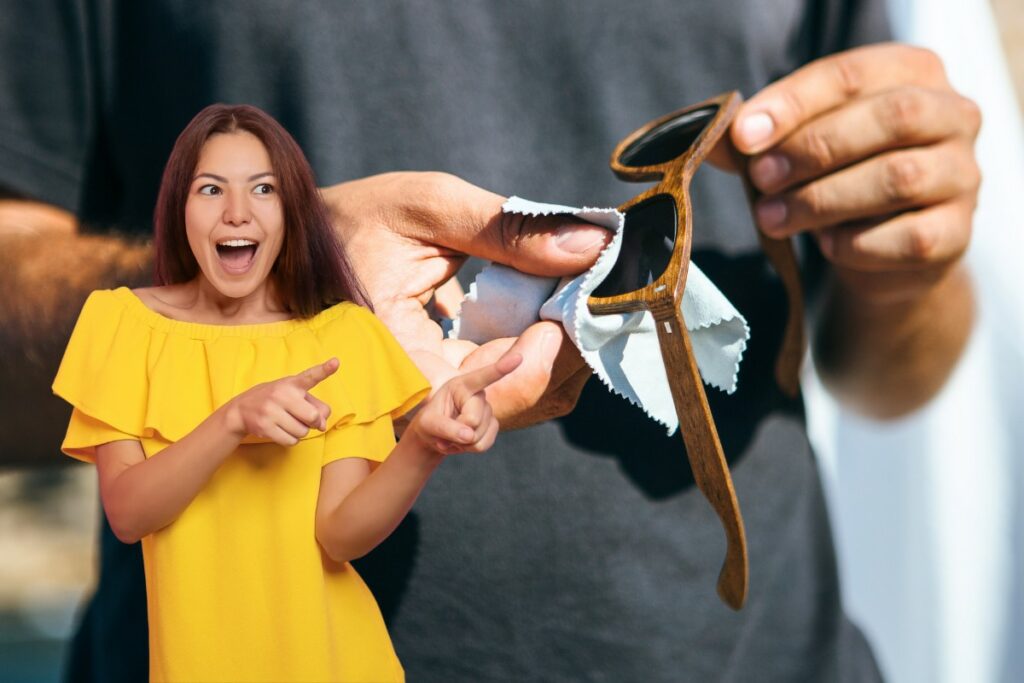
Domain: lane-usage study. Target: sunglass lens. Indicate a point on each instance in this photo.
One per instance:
(647, 240)
(669, 140)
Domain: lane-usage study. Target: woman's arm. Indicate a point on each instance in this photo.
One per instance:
(142, 495)
(360, 506)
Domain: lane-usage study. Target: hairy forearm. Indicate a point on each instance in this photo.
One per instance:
(45, 277)
(149, 495)
(374, 508)
(887, 358)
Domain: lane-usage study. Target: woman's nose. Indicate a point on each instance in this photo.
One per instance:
(236, 211)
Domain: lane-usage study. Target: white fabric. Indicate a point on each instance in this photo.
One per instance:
(927, 510)
(622, 349)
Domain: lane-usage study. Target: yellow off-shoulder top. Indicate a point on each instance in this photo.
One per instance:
(237, 587)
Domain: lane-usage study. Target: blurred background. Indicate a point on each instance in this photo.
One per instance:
(928, 512)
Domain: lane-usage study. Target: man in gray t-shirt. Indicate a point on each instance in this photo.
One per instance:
(579, 549)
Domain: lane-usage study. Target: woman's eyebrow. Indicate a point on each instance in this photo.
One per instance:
(210, 175)
(224, 180)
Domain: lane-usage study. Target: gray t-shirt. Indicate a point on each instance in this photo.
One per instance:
(576, 550)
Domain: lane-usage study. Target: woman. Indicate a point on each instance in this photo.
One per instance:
(251, 468)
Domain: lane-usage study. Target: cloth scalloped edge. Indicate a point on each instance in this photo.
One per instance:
(621, 349)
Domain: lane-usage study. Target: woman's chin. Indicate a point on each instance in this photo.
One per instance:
(235, 286)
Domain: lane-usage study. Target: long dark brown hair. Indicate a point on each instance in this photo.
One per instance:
(312, 271)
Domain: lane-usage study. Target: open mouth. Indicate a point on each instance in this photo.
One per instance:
(237, 255)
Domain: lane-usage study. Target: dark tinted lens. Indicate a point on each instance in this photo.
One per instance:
(669, 140)
(647, 240)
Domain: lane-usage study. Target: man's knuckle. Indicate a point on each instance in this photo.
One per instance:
(927, 60)
(849, 75)
(426, 194)
(925, 66)
(921, 242)
(970, 114)
(443, 182)
(812, 198)
(793, 105)
(430, 186)
(820, 148)
(902, 112)
(510, 230)
(904, 178)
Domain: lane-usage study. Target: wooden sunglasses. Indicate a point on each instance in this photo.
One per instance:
(650, 274)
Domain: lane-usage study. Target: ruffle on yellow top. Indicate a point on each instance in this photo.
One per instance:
(133, 373)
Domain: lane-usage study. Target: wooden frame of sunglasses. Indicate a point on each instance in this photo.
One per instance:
(669, 150)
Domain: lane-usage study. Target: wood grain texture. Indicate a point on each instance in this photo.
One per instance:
(663, 298)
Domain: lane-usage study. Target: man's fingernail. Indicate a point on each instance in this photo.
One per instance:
(756, 128)
(771, 213)
(769, 170)
(578, 240)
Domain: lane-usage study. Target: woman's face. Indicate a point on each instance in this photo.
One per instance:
(233, 214)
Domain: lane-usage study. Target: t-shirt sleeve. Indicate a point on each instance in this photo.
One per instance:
(382, 384)
(101, 378)
(46, 120)
(372, 440)
(85, 433)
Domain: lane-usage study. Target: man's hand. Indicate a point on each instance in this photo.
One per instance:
(871, 151)
(408, 233)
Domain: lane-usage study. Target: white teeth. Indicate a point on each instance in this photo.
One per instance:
(236, 243)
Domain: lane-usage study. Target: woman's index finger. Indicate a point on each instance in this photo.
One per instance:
(318, 373)
(477, 380)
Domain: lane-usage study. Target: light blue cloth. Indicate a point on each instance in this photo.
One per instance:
(622, 349)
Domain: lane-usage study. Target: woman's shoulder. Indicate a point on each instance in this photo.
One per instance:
(102, 303)
(104, 307)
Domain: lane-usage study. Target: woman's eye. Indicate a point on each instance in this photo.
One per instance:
(263, 188)
(209, 190)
